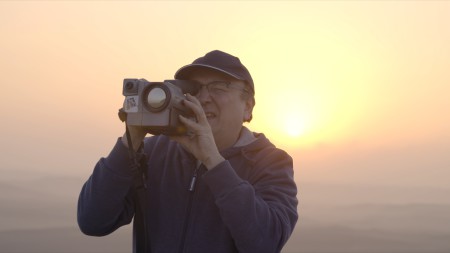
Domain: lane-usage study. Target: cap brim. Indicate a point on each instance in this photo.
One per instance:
(183, 72)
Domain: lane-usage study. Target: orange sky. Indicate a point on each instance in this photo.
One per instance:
(327, 73)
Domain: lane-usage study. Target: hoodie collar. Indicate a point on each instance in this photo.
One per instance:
(247, 144)
(246, 137)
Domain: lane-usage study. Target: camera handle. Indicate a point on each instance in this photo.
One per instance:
(138, 166)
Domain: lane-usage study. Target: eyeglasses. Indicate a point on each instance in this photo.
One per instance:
(219, 88)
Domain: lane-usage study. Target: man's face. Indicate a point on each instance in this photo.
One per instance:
(223, 103)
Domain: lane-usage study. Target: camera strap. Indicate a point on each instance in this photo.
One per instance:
(138, 159)
(139, 167)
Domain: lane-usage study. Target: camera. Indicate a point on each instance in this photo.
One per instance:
(155, 106)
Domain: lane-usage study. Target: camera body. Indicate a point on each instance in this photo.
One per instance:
(155, 106)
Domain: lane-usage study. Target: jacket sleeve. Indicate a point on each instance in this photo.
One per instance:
(106, 199)
(260, 215)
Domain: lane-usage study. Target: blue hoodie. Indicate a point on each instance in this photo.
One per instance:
(247, 203)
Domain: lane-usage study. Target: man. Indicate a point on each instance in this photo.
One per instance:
(222, 188)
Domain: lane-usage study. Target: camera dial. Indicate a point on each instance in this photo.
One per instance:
(129, 86)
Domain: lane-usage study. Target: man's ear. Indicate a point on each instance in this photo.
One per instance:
(248, 111)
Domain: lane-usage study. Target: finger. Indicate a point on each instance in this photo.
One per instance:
(193, 100)
(194, 104)
(190, 124)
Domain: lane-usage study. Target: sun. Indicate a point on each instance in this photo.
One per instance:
(294, 127)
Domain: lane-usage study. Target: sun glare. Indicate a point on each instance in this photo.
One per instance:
(294, 127)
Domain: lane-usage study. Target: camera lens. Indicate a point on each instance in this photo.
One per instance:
(156, 98)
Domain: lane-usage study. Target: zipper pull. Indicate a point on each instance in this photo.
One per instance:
(193, 181)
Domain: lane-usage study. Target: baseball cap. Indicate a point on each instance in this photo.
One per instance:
(220, 61)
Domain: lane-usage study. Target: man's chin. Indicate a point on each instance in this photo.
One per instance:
(211, 119)
(212, 123)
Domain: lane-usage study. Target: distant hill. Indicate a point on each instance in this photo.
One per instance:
(308, 238)
(39, 215)
(64, 240)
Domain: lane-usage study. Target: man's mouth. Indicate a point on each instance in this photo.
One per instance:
(210, 115)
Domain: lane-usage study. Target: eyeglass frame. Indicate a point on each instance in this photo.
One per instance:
(228, 85)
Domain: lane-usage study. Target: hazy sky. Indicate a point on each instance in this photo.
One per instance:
(356, 91)
(340, 83)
